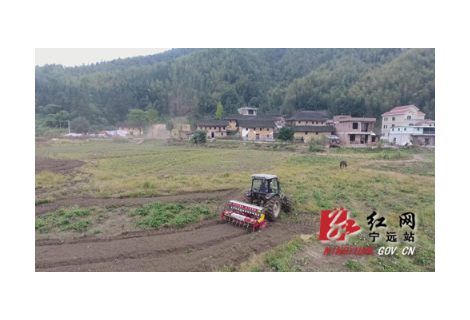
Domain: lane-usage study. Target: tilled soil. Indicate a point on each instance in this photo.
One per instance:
(116, 202)
(207, 247)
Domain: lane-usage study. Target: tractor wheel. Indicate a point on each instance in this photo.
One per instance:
(248, 199)
(272, 208)
(287, 204)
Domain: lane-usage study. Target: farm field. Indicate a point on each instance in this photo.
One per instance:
(112, 205)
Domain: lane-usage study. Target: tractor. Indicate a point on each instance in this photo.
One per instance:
(266, 192)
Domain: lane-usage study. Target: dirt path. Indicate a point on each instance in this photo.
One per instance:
(222, 196)
(208, 247)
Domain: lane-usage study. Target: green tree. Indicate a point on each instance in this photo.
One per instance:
(220, 111)
(286, 134)
(80, 125)
(137, 117)
(152, 115)
(199, 137)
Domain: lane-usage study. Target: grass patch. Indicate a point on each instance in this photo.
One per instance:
(280, 258)
(47, 179)
(176, 215)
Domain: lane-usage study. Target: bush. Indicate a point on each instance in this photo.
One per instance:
(286, 134)
(199, 137)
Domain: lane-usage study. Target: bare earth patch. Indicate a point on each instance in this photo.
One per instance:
(56, 165)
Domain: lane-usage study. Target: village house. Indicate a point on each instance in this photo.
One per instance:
(355, 130)
(307, 118)
(234, 119)
(400, 116)
(213, 128)
(310, 132)
(130, 128)
(256, 129)
(310, 125)
(418, 135)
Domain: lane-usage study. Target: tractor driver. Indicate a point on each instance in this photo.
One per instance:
(262, 187)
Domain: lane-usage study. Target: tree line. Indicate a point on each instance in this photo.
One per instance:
(189, 82)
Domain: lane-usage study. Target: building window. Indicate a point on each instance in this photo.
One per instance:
(393, 129)
(398, 129)
(316, 132)
(306, 133)
(352, 137)
(408, 118)
(393, 118)
(221, 134)
(393, 126)
(385, 119)
(355, 125)
(404, 129)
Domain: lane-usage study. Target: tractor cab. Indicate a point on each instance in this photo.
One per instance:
(265, 183)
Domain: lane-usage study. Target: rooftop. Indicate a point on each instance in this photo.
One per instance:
(213, 123)
(309, 116)
(313, 128)
(256, 123)
(401, 110)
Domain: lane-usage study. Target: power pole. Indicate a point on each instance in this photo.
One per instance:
(68, 121)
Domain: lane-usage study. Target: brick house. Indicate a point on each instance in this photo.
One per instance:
(310, 125)
(213, 128)
(400, 116)
(355, 130)
(256, 129)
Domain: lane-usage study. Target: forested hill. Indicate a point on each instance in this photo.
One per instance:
(191, 82)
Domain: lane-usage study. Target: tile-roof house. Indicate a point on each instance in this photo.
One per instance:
(256, 128)
(213, 128)
(400, 116)
(307, 118)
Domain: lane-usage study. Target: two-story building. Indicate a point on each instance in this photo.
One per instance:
(400, 116)
(256, 129)
(418, 135)
(310, 125)
(355, 130)
(213, 128)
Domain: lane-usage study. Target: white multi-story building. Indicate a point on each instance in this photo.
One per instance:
(400, 116)
(418, 135)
